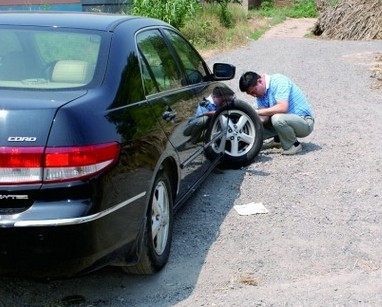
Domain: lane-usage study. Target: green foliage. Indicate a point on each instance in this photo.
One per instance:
(225, 15)
(174, 12)
(302, 9)
(239, 15)
(299, 9)
(266, 5)
(207, 29)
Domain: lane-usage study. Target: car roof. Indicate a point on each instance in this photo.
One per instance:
(81, 20)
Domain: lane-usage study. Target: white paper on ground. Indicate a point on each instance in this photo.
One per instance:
(251, 208)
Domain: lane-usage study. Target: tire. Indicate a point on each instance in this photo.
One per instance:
(244, 137)
(158, 233)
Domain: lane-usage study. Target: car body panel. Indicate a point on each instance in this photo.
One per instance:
(69, 227)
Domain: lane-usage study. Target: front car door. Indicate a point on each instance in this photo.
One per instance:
(174, 99)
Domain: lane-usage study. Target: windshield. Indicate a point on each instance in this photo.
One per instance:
(47, 59)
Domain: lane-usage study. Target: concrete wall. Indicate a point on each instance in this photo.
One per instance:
(110, 6)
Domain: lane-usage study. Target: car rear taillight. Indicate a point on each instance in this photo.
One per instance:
(54, 164)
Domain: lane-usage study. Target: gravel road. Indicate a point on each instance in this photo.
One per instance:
(319, 244)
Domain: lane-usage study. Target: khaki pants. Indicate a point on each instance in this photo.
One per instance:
(196, 129)
(288, 127)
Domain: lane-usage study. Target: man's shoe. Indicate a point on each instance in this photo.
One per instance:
(271, 144)
(292, 150)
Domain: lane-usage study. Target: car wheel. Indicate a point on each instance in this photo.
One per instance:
(238, 128)
(158, 232)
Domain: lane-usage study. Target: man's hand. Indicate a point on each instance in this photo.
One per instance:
(210, 113)
(280, 107)
(264, 119)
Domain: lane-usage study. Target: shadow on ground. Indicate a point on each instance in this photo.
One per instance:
(196, 229)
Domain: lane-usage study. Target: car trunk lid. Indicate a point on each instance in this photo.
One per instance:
(26, 116)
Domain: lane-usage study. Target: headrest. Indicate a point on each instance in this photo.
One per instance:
(70, 71)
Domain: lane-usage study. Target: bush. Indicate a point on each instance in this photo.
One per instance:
(225, 14)
(303, 8)
(206, 30)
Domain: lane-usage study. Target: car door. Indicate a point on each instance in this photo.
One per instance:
(173, 102)
(200, 80)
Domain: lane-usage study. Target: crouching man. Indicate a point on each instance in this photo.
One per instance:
(283, 109)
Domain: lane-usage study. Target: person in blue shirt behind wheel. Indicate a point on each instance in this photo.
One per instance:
(206, 108)
(283, 109)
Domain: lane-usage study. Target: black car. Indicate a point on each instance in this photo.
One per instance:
(94, 158)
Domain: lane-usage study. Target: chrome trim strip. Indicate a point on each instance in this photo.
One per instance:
(72, 221)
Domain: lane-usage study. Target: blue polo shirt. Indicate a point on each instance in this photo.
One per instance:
(208, 105)
(280, 87)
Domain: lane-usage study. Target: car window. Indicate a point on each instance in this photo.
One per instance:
(159, 69)
(41, 59)
(55, 46)
(150, 85)
(193, 64)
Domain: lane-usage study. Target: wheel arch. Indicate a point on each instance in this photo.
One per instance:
(169, 166)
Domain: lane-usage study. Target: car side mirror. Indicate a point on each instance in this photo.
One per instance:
(223, 71)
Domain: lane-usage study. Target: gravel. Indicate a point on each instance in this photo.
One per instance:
(320, 242)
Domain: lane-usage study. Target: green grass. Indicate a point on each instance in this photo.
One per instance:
(258, 33)
(299, 9)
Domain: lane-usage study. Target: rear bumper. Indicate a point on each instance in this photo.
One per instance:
(39, 243)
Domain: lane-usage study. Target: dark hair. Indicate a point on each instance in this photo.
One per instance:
(220, 91)
(247, 80)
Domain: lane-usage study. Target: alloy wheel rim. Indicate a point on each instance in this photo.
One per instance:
(160, 218)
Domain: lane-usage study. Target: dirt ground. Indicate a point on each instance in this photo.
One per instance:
(320, 242)
(291, 28)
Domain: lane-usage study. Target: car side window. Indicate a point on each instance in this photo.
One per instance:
(193, 64)
(159, 69)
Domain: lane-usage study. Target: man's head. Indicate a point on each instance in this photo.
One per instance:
(253, 84)
(221, 95)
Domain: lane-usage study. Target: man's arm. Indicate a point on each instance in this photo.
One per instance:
(280, 107)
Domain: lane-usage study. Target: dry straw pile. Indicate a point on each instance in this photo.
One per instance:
(350, 19)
